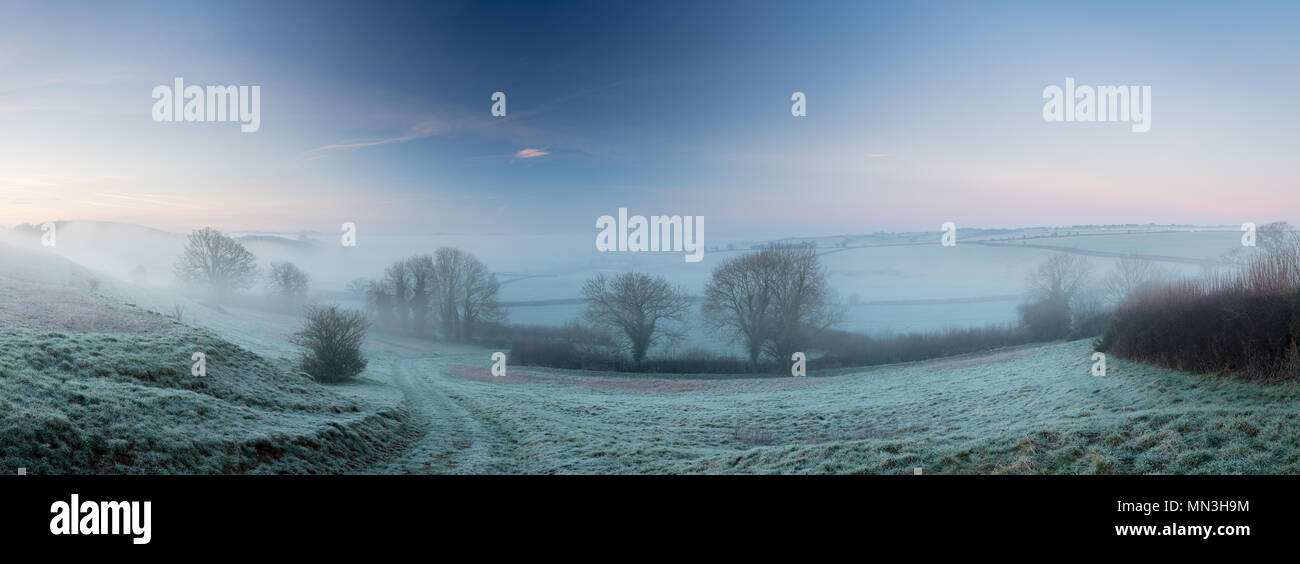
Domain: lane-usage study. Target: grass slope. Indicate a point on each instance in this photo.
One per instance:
(92, 385)
(1024, 411)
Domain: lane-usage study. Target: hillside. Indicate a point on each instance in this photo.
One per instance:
(92, 384)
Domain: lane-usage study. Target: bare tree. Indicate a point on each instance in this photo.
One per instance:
(738, 297)
(288, 284)
(397, 279)
(422, 274)
(1278, 238)
(1053, 287)
(478, 303)
(637, 305)
(1132, 272)
(803, 299)
(357, 287)
(448, 264)
(218, 261)
(1058, 278)
(769, 298)
(466, 293)
(379, 300)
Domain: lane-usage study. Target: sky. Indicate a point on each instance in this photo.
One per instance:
(379, 113)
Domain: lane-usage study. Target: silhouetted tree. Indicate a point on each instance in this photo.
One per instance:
(636, 305)
(802, 301)
(769, 299)
(1052, 289)
(218, 261)
(422, 277)
(397, 279)
(287, 284)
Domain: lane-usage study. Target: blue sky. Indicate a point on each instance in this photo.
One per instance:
(918, 113)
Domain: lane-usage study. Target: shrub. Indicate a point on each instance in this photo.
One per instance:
(333, 338)
(543, 352)
(1046, 319)
(1106, 340)
(1093, 325)
(1245, 322)
(844, 349)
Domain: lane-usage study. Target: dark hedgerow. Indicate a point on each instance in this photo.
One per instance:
(1245, 322)
(333, 338)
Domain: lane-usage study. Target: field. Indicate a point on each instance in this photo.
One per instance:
(1025, 410)
(893, 285)
(95, 378)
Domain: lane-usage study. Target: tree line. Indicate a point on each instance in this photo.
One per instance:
(216, 261)
(450, 293)
(769, 301)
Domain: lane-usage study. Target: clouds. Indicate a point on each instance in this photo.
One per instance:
(418, 131)
(531, 153)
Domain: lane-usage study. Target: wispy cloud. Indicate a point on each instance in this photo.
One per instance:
(530, 153)
(418, 131)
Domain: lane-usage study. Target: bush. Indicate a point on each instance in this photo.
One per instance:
(1106, 340)
(845, 349)
(542, 352)
(1089, 326)
(555, 348)
(1246, 322)
(1046, 320)
(333, 338)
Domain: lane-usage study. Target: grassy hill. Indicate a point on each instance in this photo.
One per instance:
(91, 384)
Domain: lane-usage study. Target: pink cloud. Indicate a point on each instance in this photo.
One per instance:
(530, 153)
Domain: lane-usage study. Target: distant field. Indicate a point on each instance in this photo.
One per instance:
(1188, 244)
(909, 279)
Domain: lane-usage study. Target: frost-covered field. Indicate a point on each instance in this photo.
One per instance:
(94, 377)
(1026, 410)
(90, 383)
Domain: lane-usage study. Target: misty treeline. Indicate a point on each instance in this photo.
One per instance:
(222, 265)
(770, 302)
(776, 301)
(450, 293)
(1065, 298)
(1243, 319)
